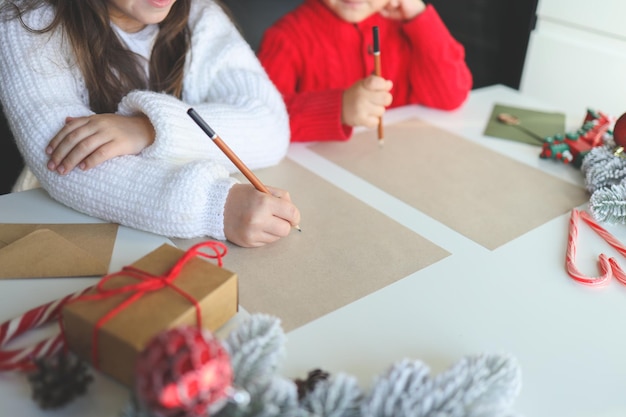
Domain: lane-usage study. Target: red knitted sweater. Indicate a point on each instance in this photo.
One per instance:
(312, 56)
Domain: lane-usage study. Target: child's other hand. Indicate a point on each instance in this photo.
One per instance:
(365, 101)
(253, 218)
(89, 141)
(403, 9)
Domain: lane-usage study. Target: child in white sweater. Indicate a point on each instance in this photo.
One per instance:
(107, 132)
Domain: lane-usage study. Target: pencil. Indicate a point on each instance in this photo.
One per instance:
(377, 71)
(229, 153)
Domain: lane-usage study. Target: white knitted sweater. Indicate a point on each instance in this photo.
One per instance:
(176, 187)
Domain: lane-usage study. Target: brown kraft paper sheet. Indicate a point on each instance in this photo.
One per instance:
(345, 251)
(487, 197)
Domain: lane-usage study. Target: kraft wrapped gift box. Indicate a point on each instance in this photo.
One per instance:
(122, 338)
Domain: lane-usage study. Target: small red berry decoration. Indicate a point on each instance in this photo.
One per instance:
(183, 371)
(573, 146)
(619, 131)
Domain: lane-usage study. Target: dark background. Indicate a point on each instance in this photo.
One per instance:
(494, 33)
(11, 160)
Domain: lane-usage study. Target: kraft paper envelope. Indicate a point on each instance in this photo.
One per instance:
(55, 250)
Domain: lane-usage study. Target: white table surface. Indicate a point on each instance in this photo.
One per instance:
(516, 299)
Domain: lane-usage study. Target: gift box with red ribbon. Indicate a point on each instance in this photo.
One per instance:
(111, 324)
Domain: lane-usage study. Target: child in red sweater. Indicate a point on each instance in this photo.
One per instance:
(320, 57)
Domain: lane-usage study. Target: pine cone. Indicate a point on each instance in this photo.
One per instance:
(306, 386)
(58, 380)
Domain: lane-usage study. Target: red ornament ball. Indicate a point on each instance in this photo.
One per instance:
(619, 131)
(183, 372)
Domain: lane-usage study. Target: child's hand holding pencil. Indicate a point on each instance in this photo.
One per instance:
(253, 219)
(363, 104)
(254, 215)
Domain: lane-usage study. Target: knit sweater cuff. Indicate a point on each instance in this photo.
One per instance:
(316, 116)
(215, 211)
(175, 132)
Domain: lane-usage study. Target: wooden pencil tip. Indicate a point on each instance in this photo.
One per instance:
(298, 227)
(381, 142)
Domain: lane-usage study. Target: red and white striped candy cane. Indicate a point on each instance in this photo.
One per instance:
(618, 272)
(608, 237)
(23, 359)
(570, 256)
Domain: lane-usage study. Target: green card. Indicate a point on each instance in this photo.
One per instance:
(531, 121)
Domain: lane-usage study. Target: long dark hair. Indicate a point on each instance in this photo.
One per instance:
(109, 69)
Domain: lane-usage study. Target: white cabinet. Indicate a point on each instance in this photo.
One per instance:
(576, 56)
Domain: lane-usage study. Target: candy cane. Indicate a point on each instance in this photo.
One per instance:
(618, 273)
(23, 359)
(608, 237)
(570, 256)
